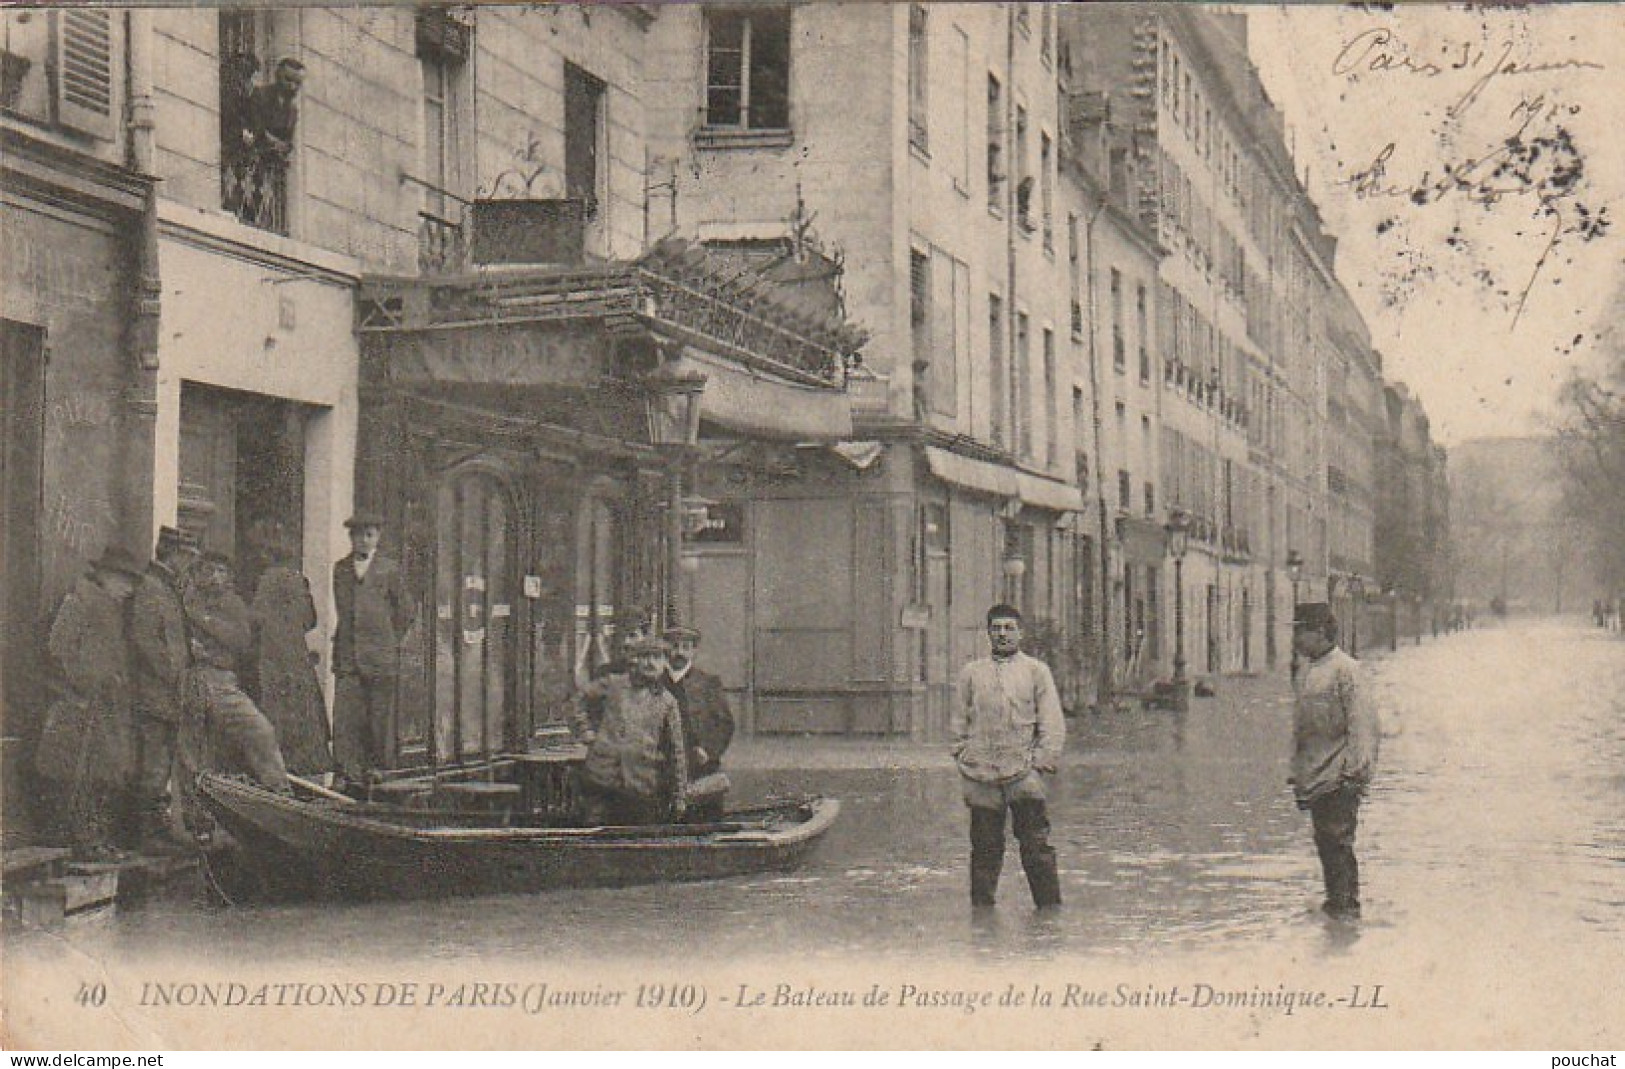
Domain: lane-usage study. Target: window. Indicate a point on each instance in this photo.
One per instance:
(1125, 490)
(1046, 187)
(919, 318)
(1143, 331)
(1074, 271)
(61, 66)
(999, 384)
(258, 119)
(1024, 177)
(584, 129)
(1150, 500)
(747, 68)
(995, 144)
(1119, 357)
(919, 73)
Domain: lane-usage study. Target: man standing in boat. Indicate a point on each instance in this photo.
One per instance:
(708, 723)
(635, 772)
(1008, 732)
(374, 612)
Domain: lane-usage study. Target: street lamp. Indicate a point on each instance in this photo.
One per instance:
(1393, 619)
(1294, 568)
(1178, 531)
(1356, 588)
(672, 405)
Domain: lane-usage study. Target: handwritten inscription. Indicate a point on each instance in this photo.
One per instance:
(77, 524)
(1526, 158)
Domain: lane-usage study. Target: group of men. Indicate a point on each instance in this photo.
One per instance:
(1008, 733)
(655, 727)
(149, 686)
(167, 671)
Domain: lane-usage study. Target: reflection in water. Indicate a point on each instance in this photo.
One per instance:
(1498, 809)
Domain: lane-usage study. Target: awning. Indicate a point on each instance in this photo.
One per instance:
(1000, 481)
(746, 402)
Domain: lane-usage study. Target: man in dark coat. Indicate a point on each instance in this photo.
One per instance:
(634, 772)
(85, 747)
(273, 109)
(161, 658)
(374, 612)
(708, 723)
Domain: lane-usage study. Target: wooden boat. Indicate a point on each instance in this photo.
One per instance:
(318, 843)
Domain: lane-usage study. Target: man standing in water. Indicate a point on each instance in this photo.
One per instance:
(1008, 733)
(1335, 741)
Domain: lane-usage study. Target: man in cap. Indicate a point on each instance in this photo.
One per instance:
(635, 772)
(1008, 732)
(161, 656)
(222, 635)
(85, 747)
(708, 723)
(1335, 741)
(374, 612)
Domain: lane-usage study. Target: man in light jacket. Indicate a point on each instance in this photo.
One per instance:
(1335, 740)
(1008, 733)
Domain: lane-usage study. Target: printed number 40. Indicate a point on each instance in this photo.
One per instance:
(91, 994)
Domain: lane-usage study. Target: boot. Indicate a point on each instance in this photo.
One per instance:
(986, 854)
(1037, 855)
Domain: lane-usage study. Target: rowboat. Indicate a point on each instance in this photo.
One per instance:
(317, 843)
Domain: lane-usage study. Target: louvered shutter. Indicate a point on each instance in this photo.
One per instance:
(85, 46)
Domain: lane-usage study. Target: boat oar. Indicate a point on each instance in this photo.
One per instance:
(319, 791)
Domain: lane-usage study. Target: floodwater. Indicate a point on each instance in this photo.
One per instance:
(1495, 831)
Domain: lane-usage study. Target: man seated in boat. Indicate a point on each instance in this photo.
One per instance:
(224, 722)
(708, 723)
(634, 772)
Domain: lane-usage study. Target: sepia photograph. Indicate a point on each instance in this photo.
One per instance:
(812, 525)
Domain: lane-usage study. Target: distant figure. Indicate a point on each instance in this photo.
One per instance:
(161, 649)
(708, 724)
(85, 749)
(635, 772)
(1008, 733)
(289, 693)
(374, 613)
(1335, 743)
(232, 734)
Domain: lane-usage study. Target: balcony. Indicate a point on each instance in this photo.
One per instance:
(254, 188)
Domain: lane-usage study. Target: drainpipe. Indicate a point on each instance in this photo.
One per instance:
(1106, 685)
(1013, 172)
(140, 414)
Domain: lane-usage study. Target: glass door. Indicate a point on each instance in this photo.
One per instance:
(475, 616)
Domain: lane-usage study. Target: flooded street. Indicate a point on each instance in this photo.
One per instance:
(1500, 803)
(1492, 850)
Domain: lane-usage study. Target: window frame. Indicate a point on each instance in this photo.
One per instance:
(751, 17)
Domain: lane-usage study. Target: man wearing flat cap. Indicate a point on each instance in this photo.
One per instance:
(708, 722)
(1335, 740)
(635, 772)
(161, 657)
(374, 612)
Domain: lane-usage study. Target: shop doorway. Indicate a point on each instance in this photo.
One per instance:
(242, 474)
(22, 398)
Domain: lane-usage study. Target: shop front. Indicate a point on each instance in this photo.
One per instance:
(70, 461)
(537, 436)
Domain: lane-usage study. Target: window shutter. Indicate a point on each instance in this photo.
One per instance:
(84, 71)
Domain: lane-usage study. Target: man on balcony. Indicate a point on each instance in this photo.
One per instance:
(273, 110)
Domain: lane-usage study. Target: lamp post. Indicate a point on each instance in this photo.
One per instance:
(1393, 619)
(1294, 568)
(1416, 602)
(1356, 589)
(1178, 531)
(673, 408)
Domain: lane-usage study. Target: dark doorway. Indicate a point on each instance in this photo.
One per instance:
(242, 473)
(22, 399)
